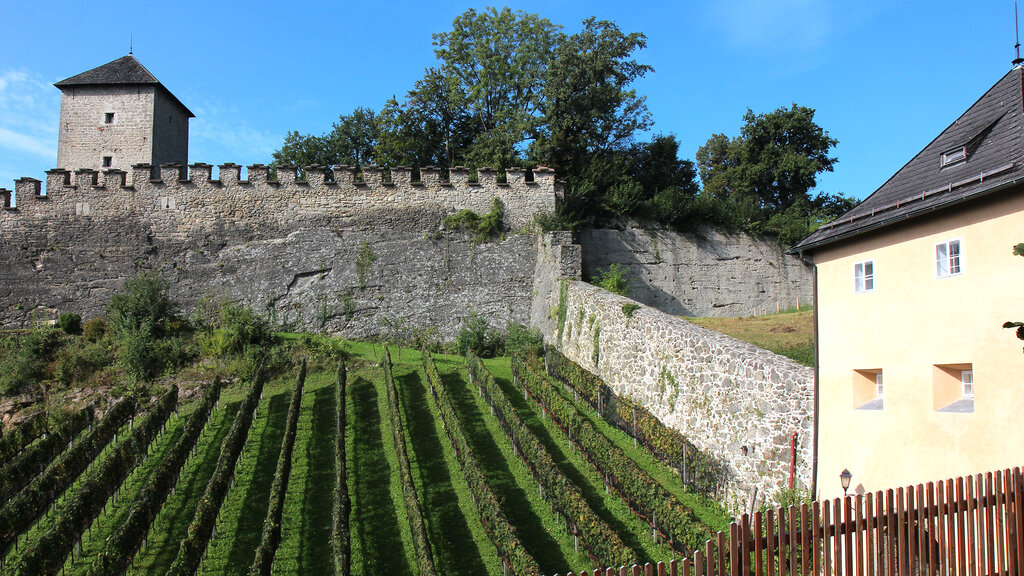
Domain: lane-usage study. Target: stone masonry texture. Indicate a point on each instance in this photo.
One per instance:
(736, 401)
(285, 247)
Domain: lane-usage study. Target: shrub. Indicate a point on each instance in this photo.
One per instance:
(613, 279)
(629, 308)
(70, 323)
(144, 302)
(78, 363)
(523, 341)
(478, 336)
(138, 353)
(95, 329)
(484, 228)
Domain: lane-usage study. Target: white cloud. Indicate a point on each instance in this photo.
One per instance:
(29, 114)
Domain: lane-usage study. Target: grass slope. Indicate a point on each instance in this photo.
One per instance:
(633, 531)
(459, 543)
(381, 543)
(169, 528)
(114, 513)
(238, 534)
(305, 546)
(542, 534)
(790, 333)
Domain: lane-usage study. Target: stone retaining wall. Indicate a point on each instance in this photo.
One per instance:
(733, 400)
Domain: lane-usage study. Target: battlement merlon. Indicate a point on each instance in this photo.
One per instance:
(321, 189)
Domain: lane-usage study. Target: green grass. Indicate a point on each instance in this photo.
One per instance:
(169, 528)
(459, 543)
(547, 540)
(240, 521)
(634, 532)
(305, 546)
(790, 333)
(381, 543)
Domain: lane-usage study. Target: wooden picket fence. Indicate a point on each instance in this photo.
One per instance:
(968, 526)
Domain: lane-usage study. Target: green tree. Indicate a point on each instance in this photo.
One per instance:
(590, 106)
(498, 61)
(775, 160)
(351, 142)
(431, 127)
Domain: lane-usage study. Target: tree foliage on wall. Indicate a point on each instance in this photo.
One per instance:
(1018, 250)
(512, 89)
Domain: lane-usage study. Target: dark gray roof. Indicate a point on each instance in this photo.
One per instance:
(991, 130)
(124, 70)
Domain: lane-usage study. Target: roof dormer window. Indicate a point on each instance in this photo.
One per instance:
(954, 156)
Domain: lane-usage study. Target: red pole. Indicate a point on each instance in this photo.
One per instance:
(792, 459)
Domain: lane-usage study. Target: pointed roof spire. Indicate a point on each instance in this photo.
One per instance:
(1018, 60)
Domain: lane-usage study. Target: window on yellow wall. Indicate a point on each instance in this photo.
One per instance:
(868, 389)
(953, 388)
(864, 276)
(947, 258)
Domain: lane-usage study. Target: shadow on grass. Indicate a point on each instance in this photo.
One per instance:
(541, 545)
(527, 410)
(248, 528)
(317, 502)
(454, 550)
(177, 512)
(373, 520)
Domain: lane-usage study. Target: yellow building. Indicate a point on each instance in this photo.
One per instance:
(917, 380)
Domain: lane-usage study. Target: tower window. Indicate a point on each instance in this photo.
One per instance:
(108, 118)
(108, 161)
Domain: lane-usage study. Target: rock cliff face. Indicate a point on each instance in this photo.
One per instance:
(710, 273)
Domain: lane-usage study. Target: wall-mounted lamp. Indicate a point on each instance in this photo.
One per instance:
(845, 478)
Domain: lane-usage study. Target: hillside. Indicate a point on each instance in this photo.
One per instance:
(788, 333)
(434, 457)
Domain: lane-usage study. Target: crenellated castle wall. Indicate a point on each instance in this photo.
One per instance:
(281, 245)
(181, 203)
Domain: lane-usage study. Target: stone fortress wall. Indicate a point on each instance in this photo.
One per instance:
(285, 246)
(733, 400)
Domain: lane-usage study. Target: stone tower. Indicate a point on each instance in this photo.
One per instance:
(118, 115)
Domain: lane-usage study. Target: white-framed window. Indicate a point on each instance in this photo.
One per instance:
(967, 381)
(108, 117)
(864, 276)
(947, 258)
(879, 387)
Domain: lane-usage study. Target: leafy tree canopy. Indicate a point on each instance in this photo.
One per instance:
(511, 89)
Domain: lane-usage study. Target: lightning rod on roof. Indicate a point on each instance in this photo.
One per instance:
(131, 37)
(1016, 61)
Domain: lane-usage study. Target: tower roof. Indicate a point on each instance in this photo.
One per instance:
(981, 153)
(125, 71)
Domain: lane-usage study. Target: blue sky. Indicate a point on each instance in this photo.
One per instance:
(884, 77)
